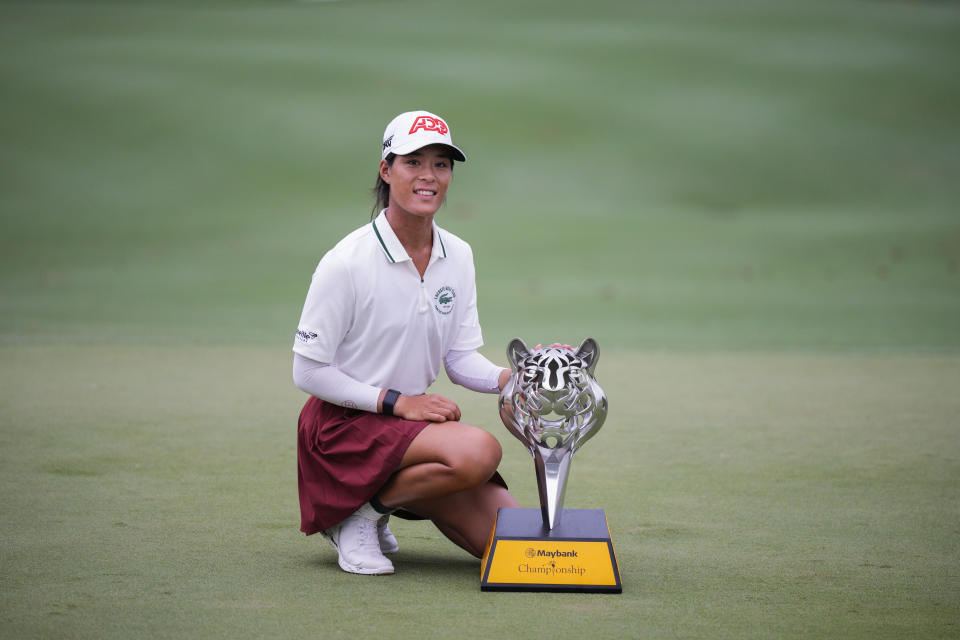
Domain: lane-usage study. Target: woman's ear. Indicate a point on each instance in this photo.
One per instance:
(385, 171)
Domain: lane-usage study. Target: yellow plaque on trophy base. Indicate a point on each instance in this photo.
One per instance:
(523, 554)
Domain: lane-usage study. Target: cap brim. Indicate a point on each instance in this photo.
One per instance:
(403, 150)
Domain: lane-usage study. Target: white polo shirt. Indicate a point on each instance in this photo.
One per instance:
(368, 311)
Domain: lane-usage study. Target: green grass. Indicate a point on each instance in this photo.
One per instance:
(752, 205)
(749, 495)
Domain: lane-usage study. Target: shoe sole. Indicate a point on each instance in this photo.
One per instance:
(349, 568)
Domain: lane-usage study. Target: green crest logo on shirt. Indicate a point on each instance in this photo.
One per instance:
(443, 299)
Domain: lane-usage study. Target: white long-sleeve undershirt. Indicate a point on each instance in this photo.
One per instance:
(328, 383)
(472, 370)
(469, 369)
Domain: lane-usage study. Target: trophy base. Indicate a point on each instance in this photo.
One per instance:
(524, 555)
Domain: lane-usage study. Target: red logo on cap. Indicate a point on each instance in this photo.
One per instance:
(429, 123)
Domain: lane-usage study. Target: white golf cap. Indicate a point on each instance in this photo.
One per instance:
(415, 129)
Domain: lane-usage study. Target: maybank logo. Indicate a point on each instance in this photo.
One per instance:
(549, 566)
(540, 553)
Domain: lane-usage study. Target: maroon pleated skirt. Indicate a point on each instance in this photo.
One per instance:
(344, 457)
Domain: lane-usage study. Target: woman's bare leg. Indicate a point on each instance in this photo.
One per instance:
(445, 476)
(466, 517)
(445, 458)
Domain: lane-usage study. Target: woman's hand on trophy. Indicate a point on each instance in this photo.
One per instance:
(431, 407)
(504, 378)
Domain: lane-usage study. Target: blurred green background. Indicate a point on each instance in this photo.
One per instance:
(657, 174)
(752, 205)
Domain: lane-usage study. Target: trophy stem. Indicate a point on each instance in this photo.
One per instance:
(552, 471)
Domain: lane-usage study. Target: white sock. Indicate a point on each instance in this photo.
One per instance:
(367, 511)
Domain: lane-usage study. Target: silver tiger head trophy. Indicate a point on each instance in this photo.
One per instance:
(553, 405)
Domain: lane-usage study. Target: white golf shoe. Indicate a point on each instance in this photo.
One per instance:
(358, 544)
(388, 542)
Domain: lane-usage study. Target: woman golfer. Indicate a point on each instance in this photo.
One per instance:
(386, 306)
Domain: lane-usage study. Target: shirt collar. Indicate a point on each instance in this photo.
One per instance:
(392, 247)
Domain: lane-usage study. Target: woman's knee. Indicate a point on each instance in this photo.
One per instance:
(478, 458)
(468, 455)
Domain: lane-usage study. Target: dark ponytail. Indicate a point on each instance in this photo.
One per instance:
(381, 190)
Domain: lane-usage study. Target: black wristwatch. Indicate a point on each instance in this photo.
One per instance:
(390, 399)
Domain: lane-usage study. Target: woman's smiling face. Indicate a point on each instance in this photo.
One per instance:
(419, 180)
